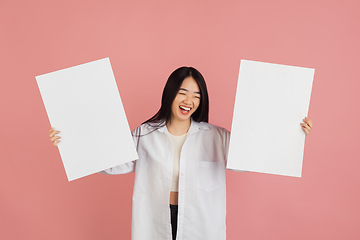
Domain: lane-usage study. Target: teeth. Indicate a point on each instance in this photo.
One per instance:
(185, 108)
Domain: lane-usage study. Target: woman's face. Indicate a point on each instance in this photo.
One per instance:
(186, 101)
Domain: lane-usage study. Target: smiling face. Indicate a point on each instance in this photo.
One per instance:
(186, 101)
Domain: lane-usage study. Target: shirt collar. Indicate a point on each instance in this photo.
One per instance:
(194, 127)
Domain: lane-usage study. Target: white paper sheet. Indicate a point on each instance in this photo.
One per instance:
(271, 102)
(84, 104)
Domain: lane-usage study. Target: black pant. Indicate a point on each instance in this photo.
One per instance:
(174, 214)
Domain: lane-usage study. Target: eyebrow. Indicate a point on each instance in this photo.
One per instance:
(184, 89)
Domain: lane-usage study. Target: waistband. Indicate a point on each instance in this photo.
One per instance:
(173, 207)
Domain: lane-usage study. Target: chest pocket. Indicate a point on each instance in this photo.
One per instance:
(210, 175)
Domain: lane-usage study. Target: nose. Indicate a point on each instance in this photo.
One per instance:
(187, 99)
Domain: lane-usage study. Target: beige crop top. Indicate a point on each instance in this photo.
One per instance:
(177, 143)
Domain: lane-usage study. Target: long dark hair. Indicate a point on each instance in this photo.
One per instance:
(170, 91)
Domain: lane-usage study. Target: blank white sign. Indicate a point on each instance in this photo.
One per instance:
(271, 102)
(84, 104)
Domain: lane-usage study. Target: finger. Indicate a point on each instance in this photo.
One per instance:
(308, 121)
(51, 129)
(303, 125)
(306, 131)
(54, 138)
(53, 133)
(56, 142)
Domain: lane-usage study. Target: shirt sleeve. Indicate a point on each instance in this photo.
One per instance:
(226, 144)
(121, 169)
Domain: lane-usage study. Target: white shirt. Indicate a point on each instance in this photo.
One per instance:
(202, 192)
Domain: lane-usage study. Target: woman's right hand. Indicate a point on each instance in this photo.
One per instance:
(53, 137)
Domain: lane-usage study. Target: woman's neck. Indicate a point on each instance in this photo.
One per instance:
(178, 128)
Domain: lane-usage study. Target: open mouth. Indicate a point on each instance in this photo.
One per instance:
(184, 110)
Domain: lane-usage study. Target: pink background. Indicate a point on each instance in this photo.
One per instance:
(146, 41)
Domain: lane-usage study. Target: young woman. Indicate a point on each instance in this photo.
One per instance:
(182, 160)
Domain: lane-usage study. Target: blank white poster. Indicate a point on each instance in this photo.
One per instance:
(83, 103)
(271, 102)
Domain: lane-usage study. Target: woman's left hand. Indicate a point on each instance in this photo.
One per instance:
(307, 125)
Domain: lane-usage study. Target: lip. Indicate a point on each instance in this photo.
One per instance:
(185, 107)
(183, 111)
